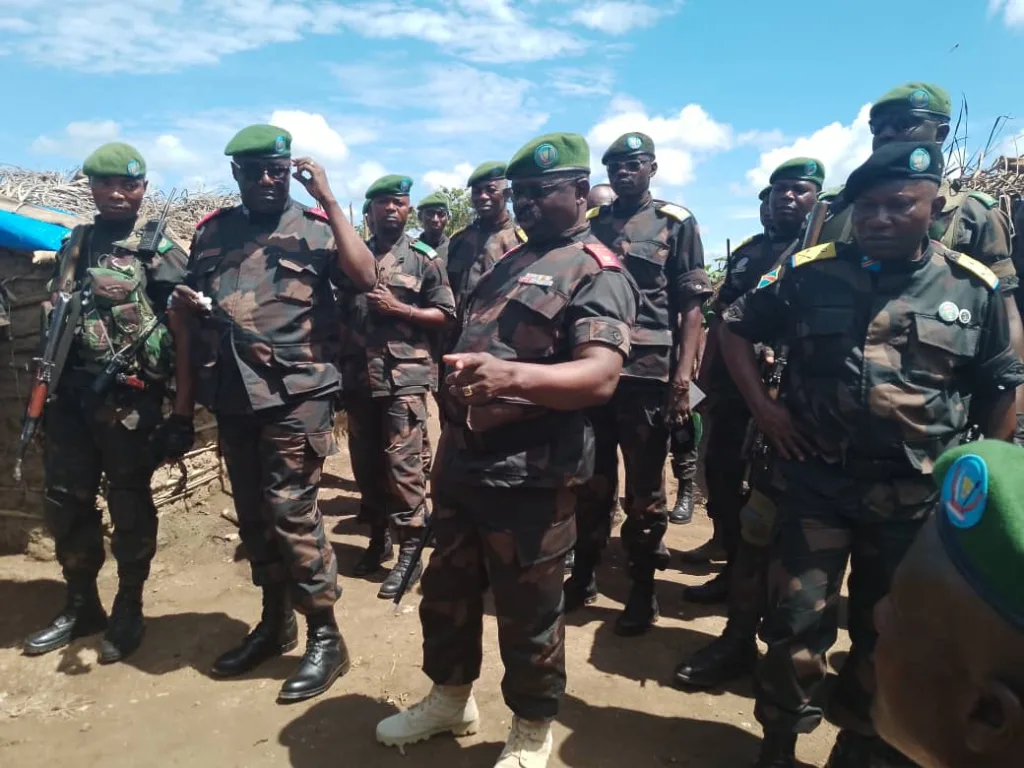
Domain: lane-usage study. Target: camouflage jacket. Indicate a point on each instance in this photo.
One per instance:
(107, 246)
(474, 251)
(660, 245)
(272, 336)
(538, 304)
(970, 223)
(884, 359)
(388, 355)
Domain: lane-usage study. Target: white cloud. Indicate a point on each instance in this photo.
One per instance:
(453, 179)
(1012, 11)
(311, 135)
(573, 81)
(616, 17)
(841, 148)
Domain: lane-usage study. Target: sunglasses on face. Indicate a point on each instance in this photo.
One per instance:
(536, 191)
(633, 165)
(254, 171)
(898, 122)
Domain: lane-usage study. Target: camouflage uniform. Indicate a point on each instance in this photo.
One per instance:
(504, 504)
(884, 363)
(474, 251)
(88, 437)
(660, 246)
(388, 365)
(264, 366)
(441, 249)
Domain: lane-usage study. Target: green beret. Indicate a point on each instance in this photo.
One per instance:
(489, 171)
(800, 169)
(434, 200)
(763, 194)
(366, 207)
(896, 160)
(260, 141)
(115, 159)
(395, 186)
(980, 518)
(550, 153)
(917, 97)
(629, 144)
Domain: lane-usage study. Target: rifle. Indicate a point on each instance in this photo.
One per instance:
(153, 232)
(417, 555)
(115, 367)
(48, 367)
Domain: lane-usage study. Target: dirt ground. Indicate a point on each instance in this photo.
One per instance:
(161, 708)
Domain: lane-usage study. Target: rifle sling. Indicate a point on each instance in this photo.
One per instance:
(67, 332)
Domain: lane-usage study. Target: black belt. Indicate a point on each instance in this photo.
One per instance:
(508, 438)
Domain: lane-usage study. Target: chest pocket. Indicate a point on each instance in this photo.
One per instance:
(201, 273)
(823, 339)
(405, 287)
(646, 261)
(530, 323)
(938, 350)
(296, 281)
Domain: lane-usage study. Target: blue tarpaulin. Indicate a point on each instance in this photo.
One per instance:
(22, 233)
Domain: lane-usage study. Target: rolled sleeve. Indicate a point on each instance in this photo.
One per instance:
(436, 292)
(759, 315)
(602, 311)
(997, 365)
(688, 279)
(990, 242)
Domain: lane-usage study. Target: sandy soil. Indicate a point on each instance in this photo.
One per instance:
(160, 708)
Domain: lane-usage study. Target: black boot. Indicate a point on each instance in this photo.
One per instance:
(275, 634)
(380, 550)
(83, 615)
(778, 750)
(725, 659)
(682, 512)
(854, 750)
(389, 588)
(709, 551)
(580, 588)
(126, 628)
(641, 611)
(710, 592)
(326, 659)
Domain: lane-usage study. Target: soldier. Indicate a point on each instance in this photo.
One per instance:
(949, 665)
(387, 369)
(367, 219)
(544, 335)
(895, 345)
(795, 185)
(434, 214)
(765, 211)
(600, 194)
(123, 288)
(257, 337)
(659, 244)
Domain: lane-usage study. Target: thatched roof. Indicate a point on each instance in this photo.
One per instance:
(21, 189)
(1004, 177)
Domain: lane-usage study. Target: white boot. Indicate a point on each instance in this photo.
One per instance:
(447, 709)
(529, 745)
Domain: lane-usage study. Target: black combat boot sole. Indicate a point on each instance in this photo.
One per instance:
(281, 650)
(722, 675)
(111, 653)
(292, 698)
(76, 633)
(386, 593)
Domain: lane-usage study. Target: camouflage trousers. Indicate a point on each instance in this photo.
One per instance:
(827, 518)
(683, 450)
(391, 457)
(724, 468)
(513, 541)
(275, 459)
(634, 421)
(87, 440)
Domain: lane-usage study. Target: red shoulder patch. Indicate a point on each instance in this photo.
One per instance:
(602, 255)
(318, 213)
(211, 215)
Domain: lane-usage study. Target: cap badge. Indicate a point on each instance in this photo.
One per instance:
(545, 156)
(634, 142)
(279, 144)
(919, 99)
(404, 185)
(134, 169)
(920, 160)
(965, 491)
(811, 169)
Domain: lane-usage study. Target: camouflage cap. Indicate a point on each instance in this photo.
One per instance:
(916, 97)
(629, 144)
(434, 200)
(896, 160)
(980, 518)
(392, 186)
(550, 153)
(800, 169)
(115, 159)
(489, 171)
(260, 141)
(763, 194)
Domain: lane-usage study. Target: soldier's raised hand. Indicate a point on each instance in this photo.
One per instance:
(313, 177)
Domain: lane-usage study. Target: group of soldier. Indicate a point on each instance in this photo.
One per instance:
(551, 342)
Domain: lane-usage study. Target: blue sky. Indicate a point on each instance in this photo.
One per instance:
(430, 88)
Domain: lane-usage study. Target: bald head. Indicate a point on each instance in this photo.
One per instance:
(600, 194)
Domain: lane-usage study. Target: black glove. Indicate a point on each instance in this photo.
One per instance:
(174, 437)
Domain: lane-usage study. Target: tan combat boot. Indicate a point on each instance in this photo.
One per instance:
(529, 745)
(447, 709)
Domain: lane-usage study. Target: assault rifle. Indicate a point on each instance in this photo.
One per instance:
(114, 370)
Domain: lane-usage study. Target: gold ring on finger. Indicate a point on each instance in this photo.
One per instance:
(467, 391)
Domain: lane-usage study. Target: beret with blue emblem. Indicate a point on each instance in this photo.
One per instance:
(550, 153)
(115, 159)
(896, 160)
(925, 98)
(492, 170)
(629, 144)
(800, 169)
(434, 200)
(260, 141)
(980, 519)
(392, 185)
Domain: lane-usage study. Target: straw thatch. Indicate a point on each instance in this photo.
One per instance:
(1003, 177)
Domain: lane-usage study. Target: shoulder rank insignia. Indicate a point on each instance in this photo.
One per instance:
(425, 249)
(828, 195)
(593, 213)
(677, 212)
(768, 278)
(532, 278)
(814, 253)
(602, 255)
(987, 200)
(521, 235)
(976, 268)
(749, 241)
(317, 213)
(212, 215)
